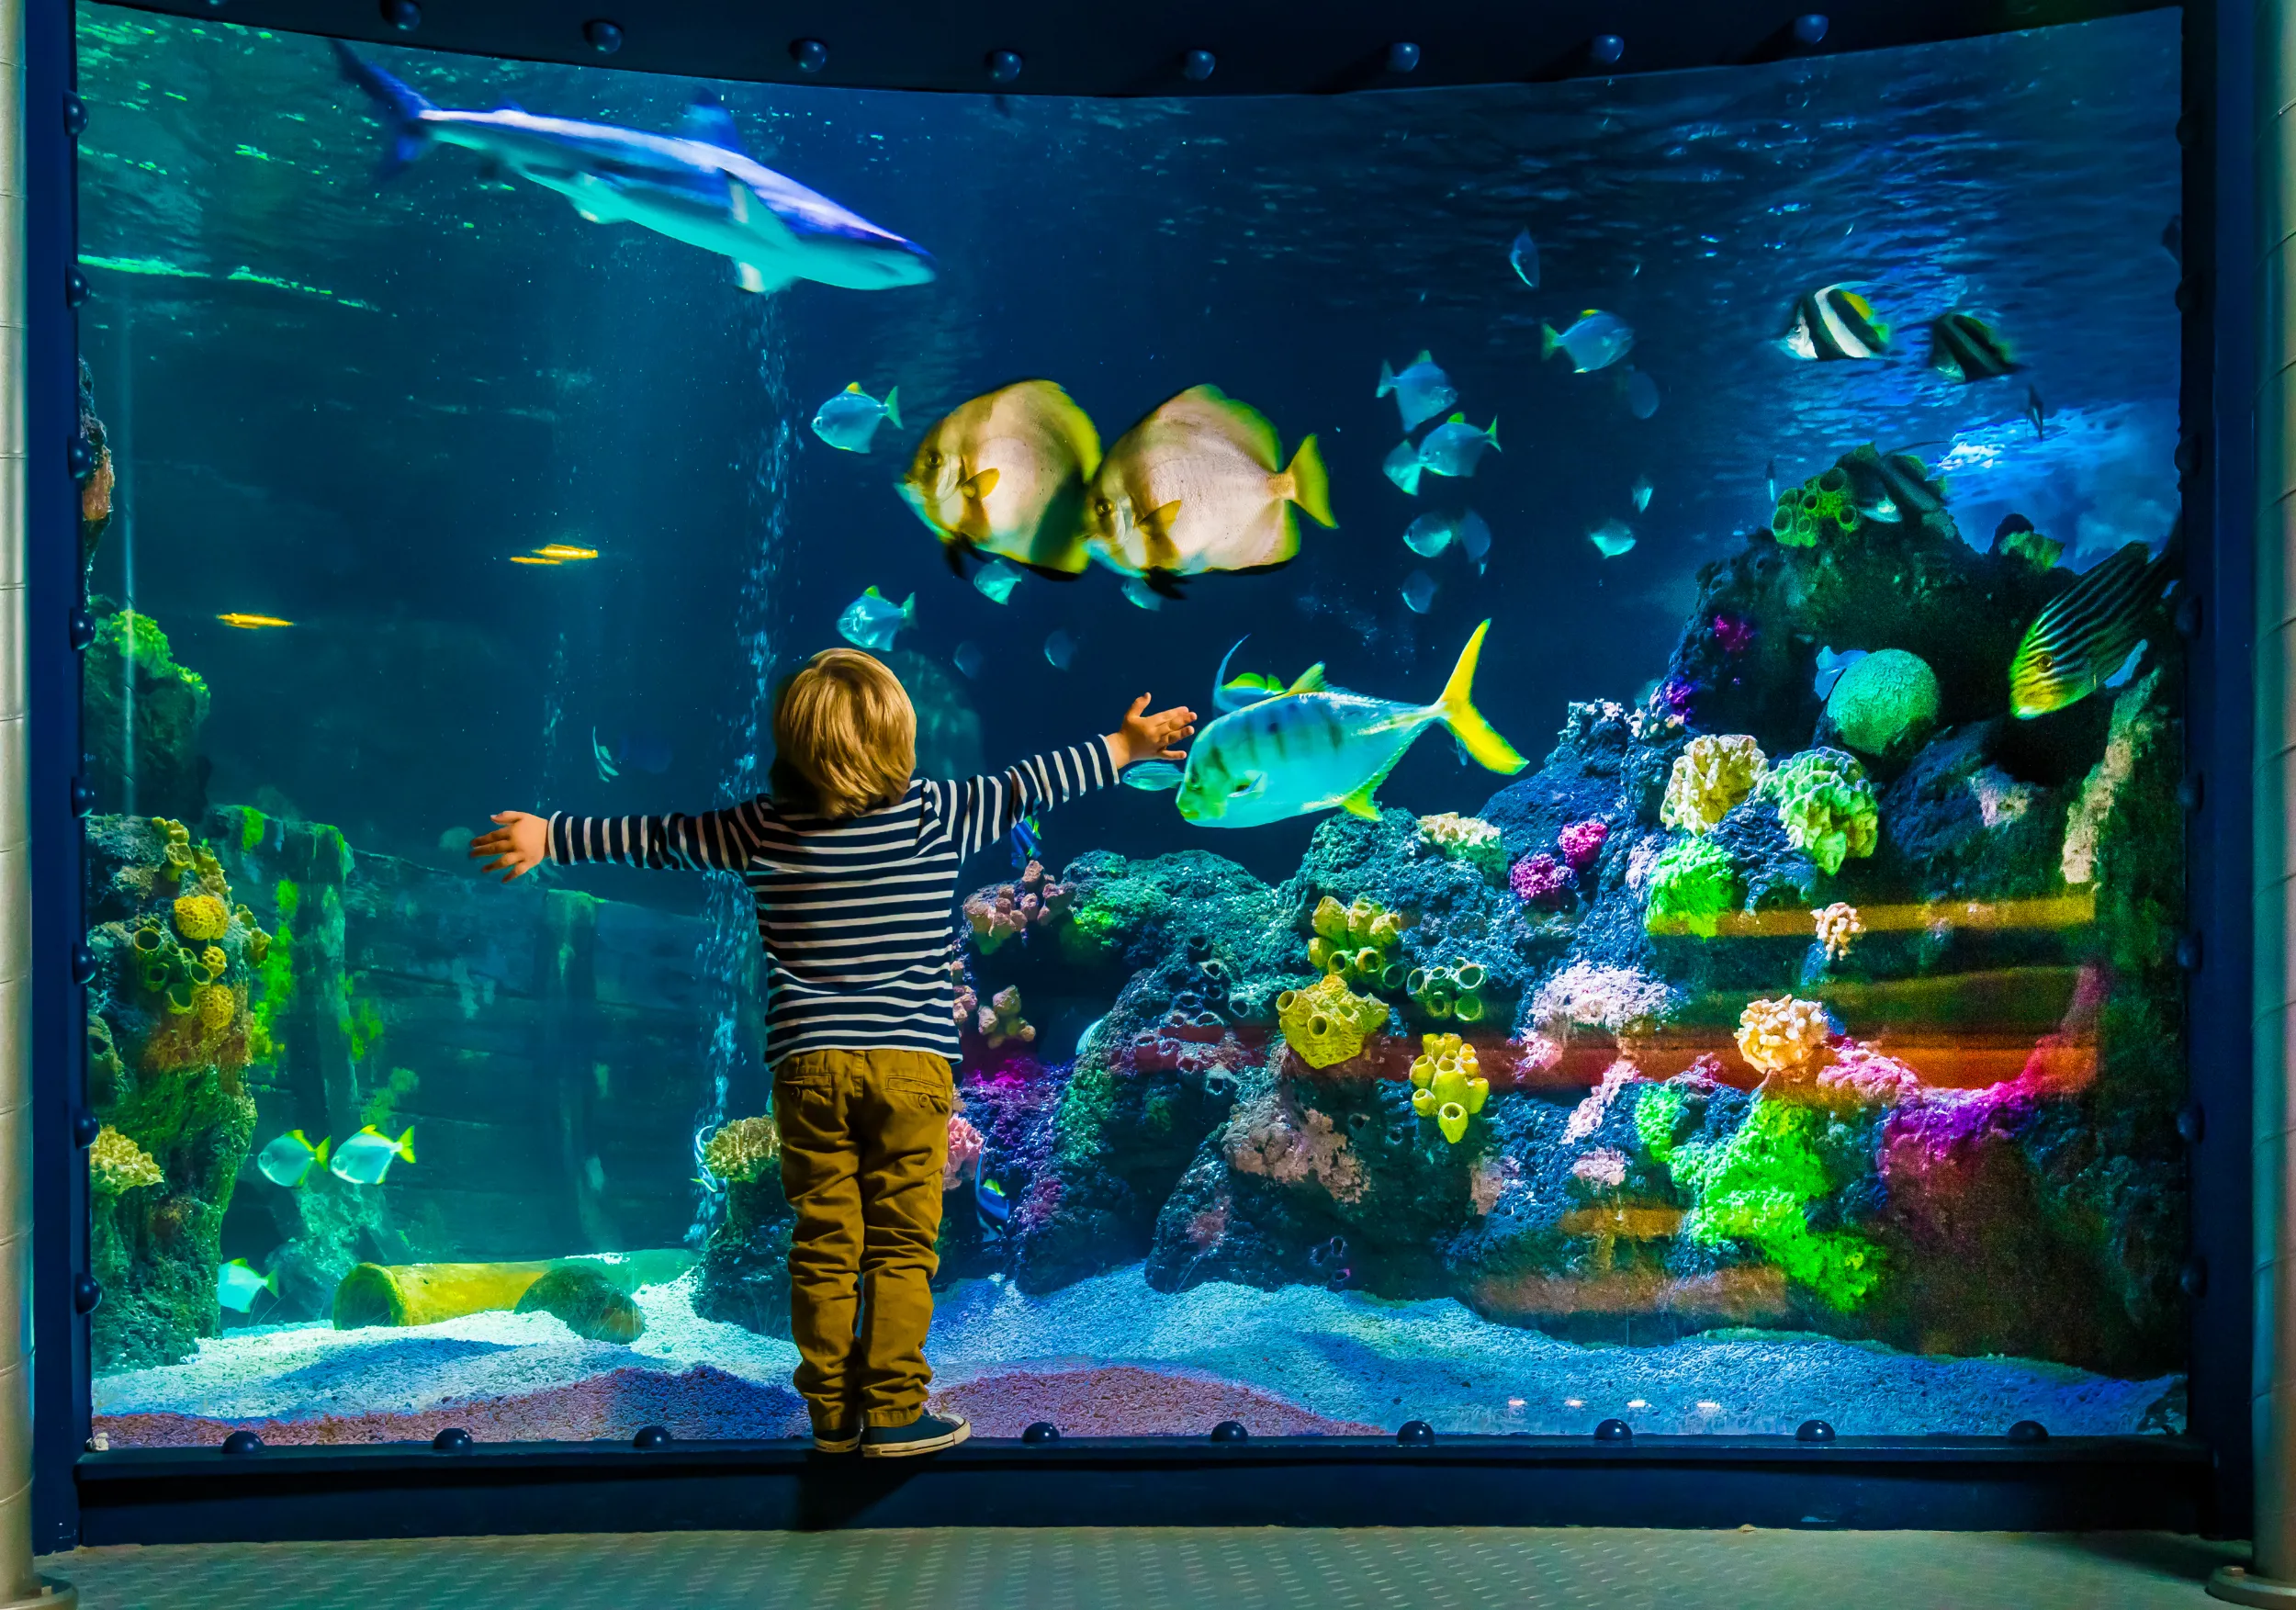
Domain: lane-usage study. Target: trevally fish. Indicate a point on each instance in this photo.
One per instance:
(1964, 347)
(967, 659)
(2087, 633)
(1315, 748)
(1642, 394)
(996, 580)
(1833, 321)
(1200, 485)
(696, 186)
(1422, 391)
(1524, 255)
(848, 419)
(1595, 341)
(1060, 650)
(366, 1157)
(287, 1160)
(1004, 474)
(1453, 447)
(1419, 591)
(1612, 539)
(872, 620)
(237, 1286)
(1402, 465)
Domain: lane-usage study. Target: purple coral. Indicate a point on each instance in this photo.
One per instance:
(1680, 692)
(1582, 842)
(1733, 634)
(1541, 880)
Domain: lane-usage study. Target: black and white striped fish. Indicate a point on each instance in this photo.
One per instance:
(1964, 347)
(1834, 321)
(2088, 631)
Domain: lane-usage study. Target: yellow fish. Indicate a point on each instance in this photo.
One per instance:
(1197, 486)
(1004, 475)
(558, 553)
(531, 560)
(253, 623)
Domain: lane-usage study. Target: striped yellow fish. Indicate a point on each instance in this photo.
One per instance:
(2086, 632)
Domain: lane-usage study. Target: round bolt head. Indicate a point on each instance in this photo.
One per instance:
(650, 1437)
(1415, 1434)
(811, 55)
(403, 15)
(80, 457)
(81, 630)
(605, 38)
(1003, 66)
(2029, 1431)
(1230, 1431)
(1402, 56)
(1606, 49)
(1198, 65)
(452, 1440)
(240, 1444)
(1812, 1431)
(1614, 1430)
(75, 115)
(85, 1127)
(75, 287)
(1809, 28)
(1041, 1432)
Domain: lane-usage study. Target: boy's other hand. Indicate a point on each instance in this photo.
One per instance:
(519, 843)
(1149, 737)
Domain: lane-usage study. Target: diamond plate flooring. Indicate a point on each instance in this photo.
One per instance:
(1234, 1569)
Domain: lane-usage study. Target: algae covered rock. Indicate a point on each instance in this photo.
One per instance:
(132, 667)
(586, 1303)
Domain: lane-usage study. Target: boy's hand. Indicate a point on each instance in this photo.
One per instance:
(519, 843)
(1148, 737)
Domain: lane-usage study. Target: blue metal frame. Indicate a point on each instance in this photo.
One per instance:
(177, 1495)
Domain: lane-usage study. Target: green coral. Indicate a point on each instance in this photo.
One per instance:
(1821, 507)
(1885, 703)
(1355, 941)
(1449, 994)
(1328, 1023)
(1826, 804)
(138, 637)
(2041, 552)
(1448, 1085)
(361, 1024)
(1691, 885)
(1757, 1186)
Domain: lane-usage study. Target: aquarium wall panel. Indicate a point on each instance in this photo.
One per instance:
(1672, 911)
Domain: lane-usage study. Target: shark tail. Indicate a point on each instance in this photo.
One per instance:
(401, 107)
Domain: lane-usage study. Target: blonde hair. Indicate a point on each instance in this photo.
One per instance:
(844, 737)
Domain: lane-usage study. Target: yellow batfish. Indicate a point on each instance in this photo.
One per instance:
(1004, 476)
(1200, 485)
(253, 623)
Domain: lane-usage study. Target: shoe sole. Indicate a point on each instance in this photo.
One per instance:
(902, 1450)
(842, 1444)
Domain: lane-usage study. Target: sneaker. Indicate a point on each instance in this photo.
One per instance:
(844, 1439)
(928, 1434)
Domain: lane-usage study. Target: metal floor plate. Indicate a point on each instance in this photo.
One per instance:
(1453, 1569)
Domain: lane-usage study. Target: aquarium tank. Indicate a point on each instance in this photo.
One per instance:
(1671, 913)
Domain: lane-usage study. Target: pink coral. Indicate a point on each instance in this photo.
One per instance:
(964, 1148)
(1274, 1136)
(1002, 910)
(1587, 1116)
(1541, 880)
(1582, 842)
(1602, 1169)
(1732, 635)
(1864, 1077)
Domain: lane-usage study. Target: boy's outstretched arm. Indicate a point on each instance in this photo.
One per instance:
(716, 840)
(980, 810)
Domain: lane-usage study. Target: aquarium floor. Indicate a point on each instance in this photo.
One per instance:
(1234, 1569)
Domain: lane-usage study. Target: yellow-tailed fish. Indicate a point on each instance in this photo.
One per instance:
(1004, 475)
(366, 1157)
(288, 1160)
(1200, 485)
(563, 553)
(2087, 632)
(253, 623)
(1313, 748)
(531, 560)
(237, 1286)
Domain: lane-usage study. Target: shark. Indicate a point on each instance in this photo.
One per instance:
(697, 186)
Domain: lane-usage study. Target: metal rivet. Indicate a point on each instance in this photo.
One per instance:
(1003, 66)
(75, 287)
(605, 37)
(1039, 1432)
(87, 1294)
(1230, 1431)
(82, 964)
(83, 796)
(1809, 28)
(1198, 65)
(811, 55)
(80, 457)
(75, 115)
(85, 1127)
(452, 1440)
(403, 15)
(1402, 56)
(650, 1437)
(1814, 1430)
(1605, 50)
(1614, 1430)
(2029, 1431)
(240, 1444)
(2194, 1279)
(1415, 1434)
(81, 630)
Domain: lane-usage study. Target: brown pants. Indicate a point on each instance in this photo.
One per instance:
(864, 1140)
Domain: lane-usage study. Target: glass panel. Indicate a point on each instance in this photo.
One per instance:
(1794, 1036)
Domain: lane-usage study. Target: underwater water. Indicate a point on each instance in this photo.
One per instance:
(1766, 1010)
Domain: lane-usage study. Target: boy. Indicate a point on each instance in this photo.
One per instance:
(854, 864)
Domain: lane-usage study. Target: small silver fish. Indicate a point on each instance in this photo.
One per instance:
(967, 659)
(1612, 539)
(872, 621)
(1402, 465)
(1453, 447)
(287, 1160)
(1524, 255)
(1474, 539)
(1641, 492)
(1139, 593)
(1642, 394)
(849, 418)
(237, 1286)
(1422, 391)
(1419, 591)
(996, 580)
(1060, 650)
(1430, 534)
(366, 1157)
(1595, 341)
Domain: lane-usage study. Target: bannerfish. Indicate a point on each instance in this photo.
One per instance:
(696, 186)
(872, 620)
(996, 580)
(1402, 465)
(259, 622)
(1612, 539)
(1890, 486)
(1248, 687)
(1060, 650)
(848, 419)
(1422, 391)
(1833, 323)
(1642, 394)
(1640, 492)
(1524, 256)
(287, 1160)
(967, 659)
(1138, 593)
(237, 1286)
(1453, 447)
(1419, 591)
(1316, 747)
(607, 770)
(1200, 485)
(1595, 341)
(1004, 474)
(2087, 632)
(1964, 347)
(2035, 411)
(366, 1157)
(1831, 665)
(1474, 539)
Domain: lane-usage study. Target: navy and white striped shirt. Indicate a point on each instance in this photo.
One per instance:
(857, 917)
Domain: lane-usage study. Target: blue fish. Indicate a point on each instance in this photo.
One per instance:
(849, 418)
(1422, 391)
(237, 1286)
(1138, 591)
(1246, 688)
(1419, 591)
(1642, 395)
(996, 580)
(1060, 650)
(1612, 539)
(1641, 492)
(1474, 539)
(1596, 342)
(1831, 665)
(1454, 446)
(1028, 843)
(1402, 465)
(647, 751)
(696, 186)
(967, 659)
(872, 620)
(988, 1201)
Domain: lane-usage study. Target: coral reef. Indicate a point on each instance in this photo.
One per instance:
(1691, 883)
(1826, 804)
(1449, 994)
(1837, 927)
(1712, 777)
(1448, 1085)
(1885, 706)
(1354, 940)
(1327, 1023)
(1822, 508)
(1541, 880)
(1783, 1036)
(115, 1163)
(742, 1152)
(130, 669)
(964, 1149)
(1274, 1137)
(1467, 838)
(1000, 1020)
(1007, 910)
(1582, 842)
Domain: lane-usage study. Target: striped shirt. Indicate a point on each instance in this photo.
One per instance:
(856, 917)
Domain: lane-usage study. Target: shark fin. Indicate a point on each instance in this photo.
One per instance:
(400, 108)
(750, 277)
(707, 122)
